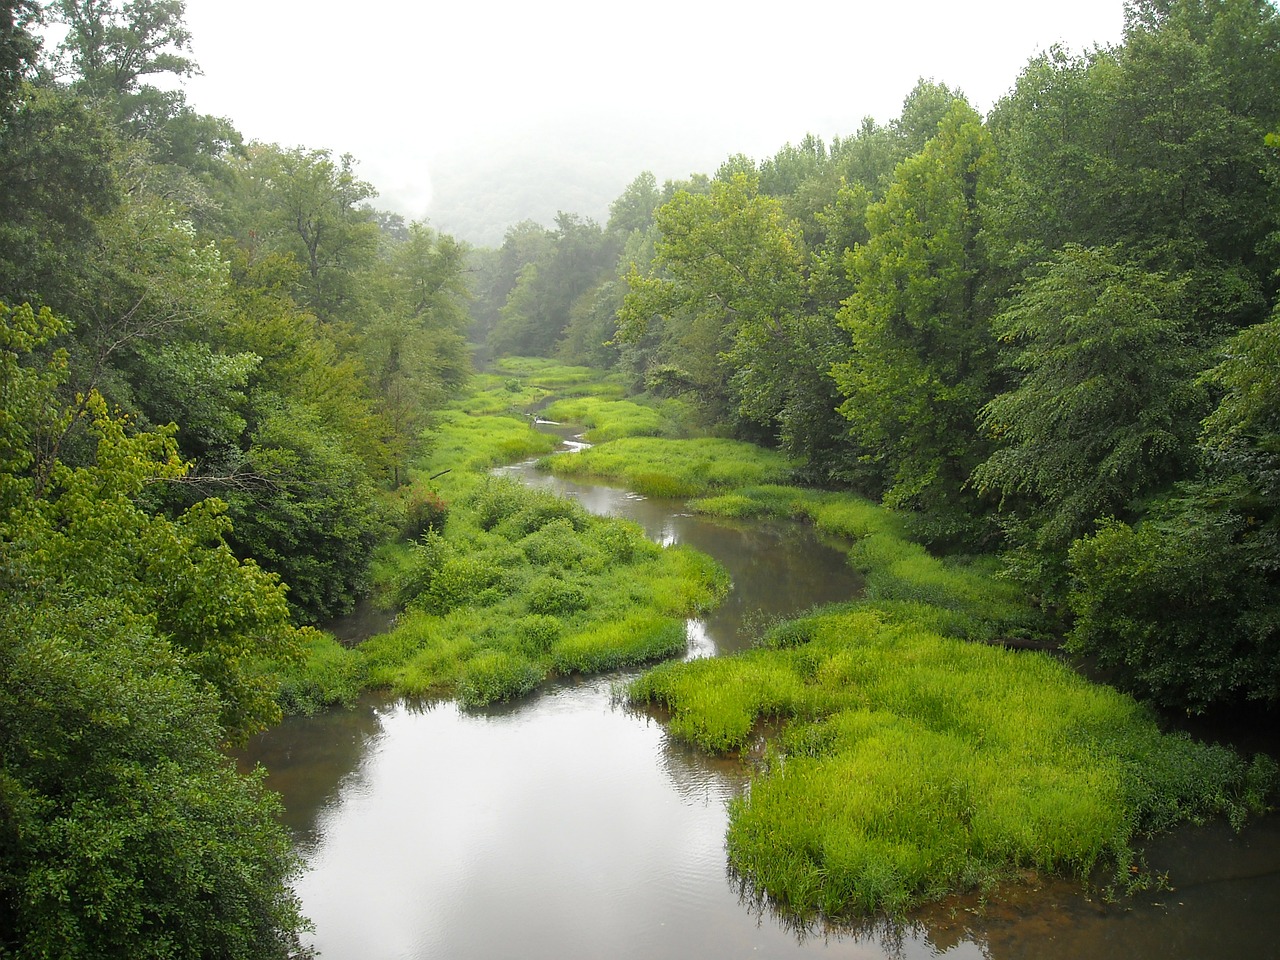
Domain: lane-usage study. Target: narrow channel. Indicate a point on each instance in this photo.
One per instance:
(568, 826)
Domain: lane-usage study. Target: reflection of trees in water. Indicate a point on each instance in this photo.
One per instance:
(309, 758)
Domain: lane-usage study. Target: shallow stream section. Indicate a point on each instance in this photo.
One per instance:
(569, 826)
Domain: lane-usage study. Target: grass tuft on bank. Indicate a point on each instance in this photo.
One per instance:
(658, 467)
(521, 586)
(606, 419)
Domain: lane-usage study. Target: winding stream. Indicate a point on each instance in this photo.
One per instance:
(567, 826)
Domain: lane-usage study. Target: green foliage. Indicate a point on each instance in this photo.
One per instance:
(539, 306)
(463, 443)
(326, 675)
(607, 420)
(57, 177)
(312, 516)
(613, 645)
(496, 675)
(1173, 606)
(920, 361)
(1100, 417)
(134, 647)
(723, 292)
(127, 833)
(109, 48)
(522, 585)
(424, 510)
(303, 203)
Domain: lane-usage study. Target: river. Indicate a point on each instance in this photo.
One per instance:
(569, 826)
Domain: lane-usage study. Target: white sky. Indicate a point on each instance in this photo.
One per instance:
(403, 84)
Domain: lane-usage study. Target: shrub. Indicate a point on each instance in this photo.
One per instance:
(424, 510)
(551, 595)
(462, 581)
(495, 500)
(536, 633)
(414, 578)
(330, 674)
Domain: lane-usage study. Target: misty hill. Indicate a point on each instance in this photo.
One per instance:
(578, 166)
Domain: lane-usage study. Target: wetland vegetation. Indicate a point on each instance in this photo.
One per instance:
(912, 756)
(1025, 365)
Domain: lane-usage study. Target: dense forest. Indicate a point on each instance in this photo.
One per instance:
(1051, 333)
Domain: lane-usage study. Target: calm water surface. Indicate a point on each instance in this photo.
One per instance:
(569, 826)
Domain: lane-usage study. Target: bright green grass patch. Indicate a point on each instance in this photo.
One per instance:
(967, 595)
(614, 644)
(463, 443)
(607, 420)
(915, 764)
(493, 395)
(675, 468)
(327, 675)
(523, 585)
(556, 378)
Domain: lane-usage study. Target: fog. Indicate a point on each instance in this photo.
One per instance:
(493, 110)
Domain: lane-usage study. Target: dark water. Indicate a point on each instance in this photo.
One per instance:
(569, 826)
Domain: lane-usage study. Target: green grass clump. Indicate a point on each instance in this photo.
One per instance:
(675, 468)
(914, 764)
(610, 419)
(614, 644)
(522, 585)
(467, 445)
(963, 597)
(493, 676)
(327, 675)
(551, 377)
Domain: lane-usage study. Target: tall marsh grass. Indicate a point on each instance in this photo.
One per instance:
(913, 764)
(675, 468)
(521, 586)
(611, 419)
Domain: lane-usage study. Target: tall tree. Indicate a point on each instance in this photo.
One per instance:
(921, 358)
(306, 203)
(414, 346)
(1157, 144)
(19, 49)
(112, 49)
(1104, 411)
(727, 284)
(537, 310)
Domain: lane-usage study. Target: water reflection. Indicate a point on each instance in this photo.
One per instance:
(567, 828)
(309, 759)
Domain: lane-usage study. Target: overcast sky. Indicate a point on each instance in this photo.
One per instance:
(405, 85)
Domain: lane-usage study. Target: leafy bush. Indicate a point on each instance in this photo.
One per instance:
(495, 500)
(1174, 609)
(551, 595)
(462, 581)
(424, 510)
(328, 675)
(537, 633)
(414, 578)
